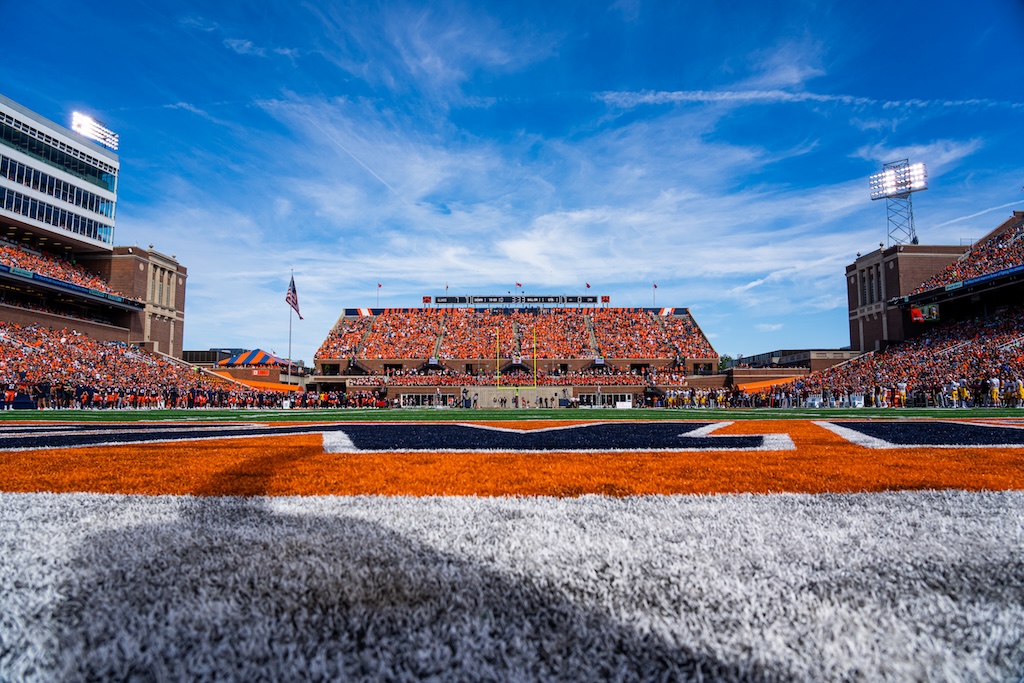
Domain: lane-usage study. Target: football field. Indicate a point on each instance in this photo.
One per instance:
(532, 545)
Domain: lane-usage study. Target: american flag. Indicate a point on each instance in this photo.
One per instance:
(291, 298)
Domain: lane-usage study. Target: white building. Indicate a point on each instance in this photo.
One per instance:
(57, 187)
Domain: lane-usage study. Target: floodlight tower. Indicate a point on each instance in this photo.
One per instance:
(895, 184)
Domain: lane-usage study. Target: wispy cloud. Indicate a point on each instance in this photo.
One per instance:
(200, 112)
(633, 99)
(976, 214)
(938, 154)
(244, 47)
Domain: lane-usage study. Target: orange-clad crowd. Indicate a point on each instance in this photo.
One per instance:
(66, 369)
(513, 378)
(344, 339)
(686, 338)
(471, 333)
(403, 333)
(1000, 252)
(52, 267)
(954, 365)
(558, 333)
(630, 333)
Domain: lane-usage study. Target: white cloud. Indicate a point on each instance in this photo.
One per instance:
(936, 155)
(244, 47)
(632, 99)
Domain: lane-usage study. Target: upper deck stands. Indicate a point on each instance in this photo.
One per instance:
(1002, 250)
(52, 267)
(475, 334)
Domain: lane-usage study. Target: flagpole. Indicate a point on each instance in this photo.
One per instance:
(290, 310)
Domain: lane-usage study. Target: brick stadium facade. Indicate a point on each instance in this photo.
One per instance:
(881, 288)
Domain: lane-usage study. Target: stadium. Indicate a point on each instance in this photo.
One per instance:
(496, 487)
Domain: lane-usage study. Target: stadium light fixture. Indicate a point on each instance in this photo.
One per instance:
(897, 181)
(89, 127)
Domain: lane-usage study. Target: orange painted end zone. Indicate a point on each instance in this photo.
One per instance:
(298, 465)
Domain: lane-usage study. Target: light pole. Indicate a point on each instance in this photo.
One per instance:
(895, 184)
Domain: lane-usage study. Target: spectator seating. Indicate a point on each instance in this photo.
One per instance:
(52, 267)
(68, 369)
(965, 353)
(630, 333)
(559, 333)
(1003, 250)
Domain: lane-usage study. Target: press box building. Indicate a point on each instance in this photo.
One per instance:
(58, 200)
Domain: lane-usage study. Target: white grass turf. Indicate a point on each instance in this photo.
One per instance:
(903, 586)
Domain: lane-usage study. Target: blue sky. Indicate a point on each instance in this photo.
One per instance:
(720, 150)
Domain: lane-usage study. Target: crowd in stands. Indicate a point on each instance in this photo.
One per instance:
(403, 333)
(67, 369)
(686, 338)
(977, 362)
(52, 267)
(630, 333)
(1000, 252)
(469, 333)
(511, 378)
(954, 365)
(559, 333)
(344, 339)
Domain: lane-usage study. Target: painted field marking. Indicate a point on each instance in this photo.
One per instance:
(597, 437)
(928, 434)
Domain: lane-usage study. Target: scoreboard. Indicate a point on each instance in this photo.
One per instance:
(521, 300)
